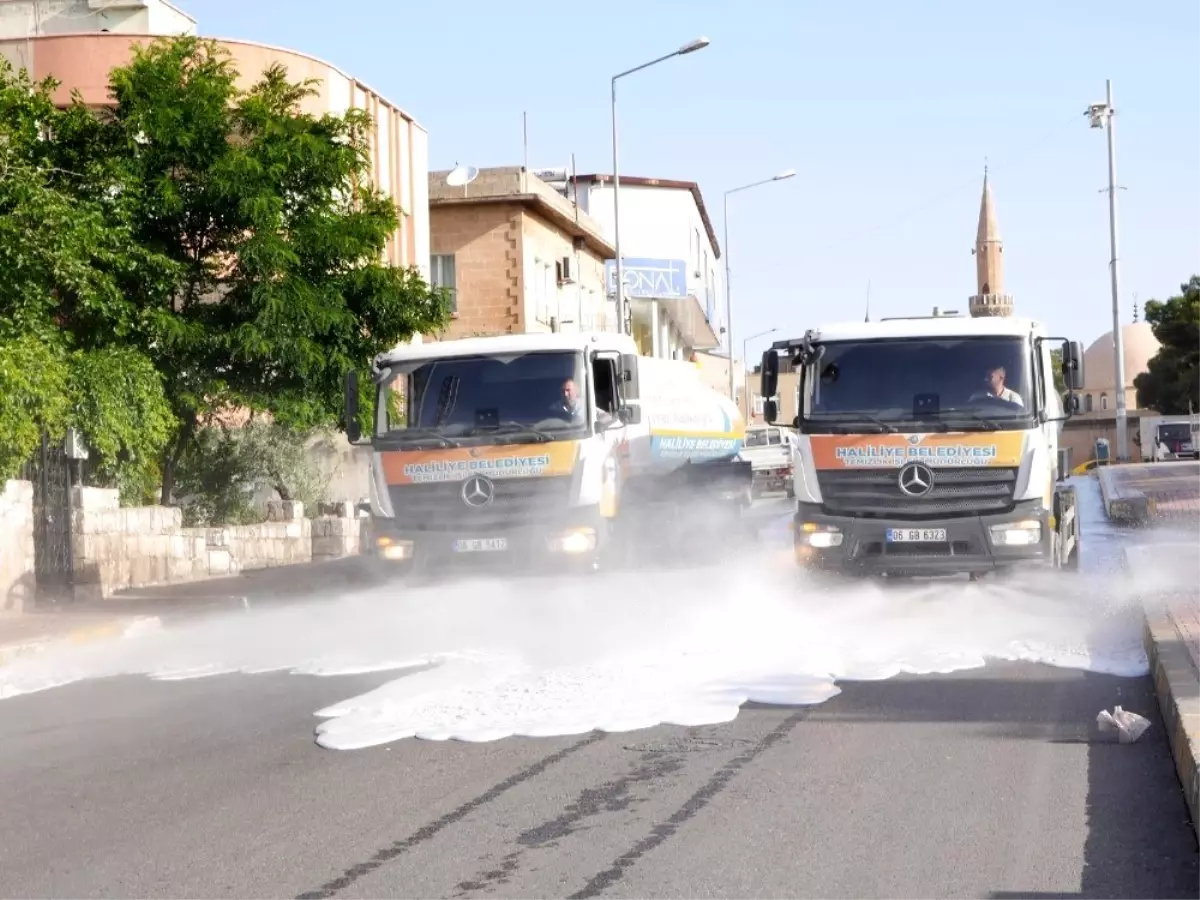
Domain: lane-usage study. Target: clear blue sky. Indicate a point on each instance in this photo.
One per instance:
(886, 110)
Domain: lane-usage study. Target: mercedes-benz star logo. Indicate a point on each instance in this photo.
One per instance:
(916, 479)
(478, 491)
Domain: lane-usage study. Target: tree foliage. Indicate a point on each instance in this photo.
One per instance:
(63, 311)
(33, 396)
(226, 468)
(226, 238)
(1171, 383)
(1060, 382)
(277, 234)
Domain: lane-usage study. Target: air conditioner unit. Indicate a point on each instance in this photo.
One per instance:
(564, 271)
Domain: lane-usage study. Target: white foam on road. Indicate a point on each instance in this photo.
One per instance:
(487, 660)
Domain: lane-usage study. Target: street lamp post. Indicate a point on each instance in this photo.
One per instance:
(691, 47)
(745, 344)
(1101, 115)
(782, 176)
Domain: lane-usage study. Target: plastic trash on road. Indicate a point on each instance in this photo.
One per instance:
(1126, 725)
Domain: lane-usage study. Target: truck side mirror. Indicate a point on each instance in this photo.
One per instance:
(769, 381)
(628, 373)
(630, 415)
(1072, 365)
(353, 427)
(770, 411)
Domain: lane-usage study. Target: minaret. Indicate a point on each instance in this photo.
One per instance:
(989, 299)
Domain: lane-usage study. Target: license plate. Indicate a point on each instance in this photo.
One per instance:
(916, 535)
(481, 545)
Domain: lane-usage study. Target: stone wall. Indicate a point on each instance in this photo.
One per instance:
(17, 582)
(117, 548)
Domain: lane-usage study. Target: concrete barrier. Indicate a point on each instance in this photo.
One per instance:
(1175, 683)
(1122, 503)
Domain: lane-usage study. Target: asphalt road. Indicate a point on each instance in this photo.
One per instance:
(989, 783)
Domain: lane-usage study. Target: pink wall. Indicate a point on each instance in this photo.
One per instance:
(81, 62)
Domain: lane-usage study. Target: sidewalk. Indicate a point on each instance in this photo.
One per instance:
(1168, 495)
(1151, 493)
(154, 606)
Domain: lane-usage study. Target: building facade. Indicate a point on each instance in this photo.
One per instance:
(79, 42)
(670, 261)
(516, 256)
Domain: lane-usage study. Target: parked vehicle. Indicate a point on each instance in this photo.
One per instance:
(768, 449)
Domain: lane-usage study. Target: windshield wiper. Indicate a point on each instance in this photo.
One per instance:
(969, 414)
(513, 427)
(890, 429)
(421, 434)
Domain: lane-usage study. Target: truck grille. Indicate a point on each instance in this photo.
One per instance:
(956, 491)
(516, 502)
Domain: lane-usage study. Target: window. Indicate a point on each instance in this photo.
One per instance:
(604, 375)
(1087, 403)
(441, 269)
(965, 383)
(464, 396)
(1104, 401)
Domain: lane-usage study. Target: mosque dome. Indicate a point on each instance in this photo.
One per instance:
(1139, 345)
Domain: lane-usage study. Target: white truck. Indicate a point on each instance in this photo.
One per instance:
(928, 446)
(1164, 438)
(535, 449)
(768, 449)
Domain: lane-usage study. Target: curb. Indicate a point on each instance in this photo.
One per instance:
(87, 635)
(1177, 684)
(1122, 504)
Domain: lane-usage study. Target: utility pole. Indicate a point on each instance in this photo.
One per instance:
(1102, 116)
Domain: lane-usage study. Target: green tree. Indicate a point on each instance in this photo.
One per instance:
(1060, 383)
(63, 312)
(1171, 383)
(275, 235)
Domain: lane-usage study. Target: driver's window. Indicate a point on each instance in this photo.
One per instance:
(604, 377)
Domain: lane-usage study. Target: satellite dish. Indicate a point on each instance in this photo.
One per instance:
(462, 176)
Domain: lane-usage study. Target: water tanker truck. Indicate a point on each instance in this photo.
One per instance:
(929, 446)
(540, 449)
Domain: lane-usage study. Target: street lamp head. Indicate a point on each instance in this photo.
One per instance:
(692, 46)
(786, 173)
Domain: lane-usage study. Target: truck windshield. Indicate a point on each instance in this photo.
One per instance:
(960, 384)
(540, 396)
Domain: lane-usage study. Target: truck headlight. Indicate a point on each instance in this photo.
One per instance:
(1016, 534)
(390, 548)
(577, 540)
(810, 534)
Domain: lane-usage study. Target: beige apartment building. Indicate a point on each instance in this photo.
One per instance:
(79, 42)
(516, 256)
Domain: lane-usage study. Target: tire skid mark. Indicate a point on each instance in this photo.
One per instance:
(659, 834)
(399, 848)
(612, 796)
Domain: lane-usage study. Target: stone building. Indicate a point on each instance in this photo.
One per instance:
(516, 256)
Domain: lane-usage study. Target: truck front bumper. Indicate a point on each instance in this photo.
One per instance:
(971, 544)
(574, 542)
